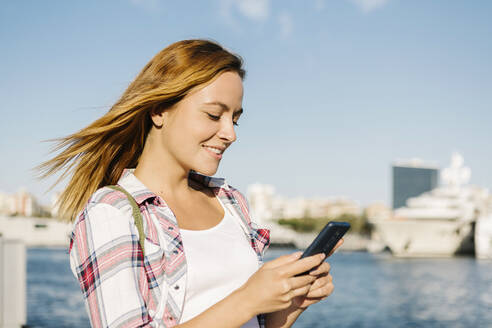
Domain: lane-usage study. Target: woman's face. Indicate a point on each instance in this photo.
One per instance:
(196, 131)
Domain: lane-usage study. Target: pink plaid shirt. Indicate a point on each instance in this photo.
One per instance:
(123, 288)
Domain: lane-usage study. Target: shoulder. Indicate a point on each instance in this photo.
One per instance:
(106, 216)
(108, 196)
(105, 204)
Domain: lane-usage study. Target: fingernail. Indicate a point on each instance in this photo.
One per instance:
(296, 254)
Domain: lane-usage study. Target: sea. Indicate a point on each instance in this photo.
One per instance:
(371, 290)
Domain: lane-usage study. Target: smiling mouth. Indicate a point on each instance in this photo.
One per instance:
(215, 150)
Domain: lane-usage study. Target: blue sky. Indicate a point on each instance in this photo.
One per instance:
(335, 90)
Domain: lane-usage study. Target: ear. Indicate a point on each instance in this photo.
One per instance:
(157, 116)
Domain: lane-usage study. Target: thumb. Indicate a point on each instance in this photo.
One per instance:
(284, 259)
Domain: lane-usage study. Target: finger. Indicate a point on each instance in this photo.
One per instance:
(302, 265)
(309, 301)
(321, 281)
(322, 287)
(315, 299)
(301, 281)
(340, 242)
(282, 260)
(320, 269)
(299, 291)
(324, 291)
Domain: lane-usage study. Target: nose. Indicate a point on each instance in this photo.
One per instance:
(226, 131)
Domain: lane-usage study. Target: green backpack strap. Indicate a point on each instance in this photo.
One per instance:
(137, 216)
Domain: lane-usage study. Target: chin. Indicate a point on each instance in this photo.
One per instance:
(210, 171)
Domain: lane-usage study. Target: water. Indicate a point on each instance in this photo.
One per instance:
(54, 298)
(370, 291)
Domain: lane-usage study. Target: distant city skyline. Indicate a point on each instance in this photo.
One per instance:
(335, 92)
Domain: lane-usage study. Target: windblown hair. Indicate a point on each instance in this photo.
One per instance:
(97, 155)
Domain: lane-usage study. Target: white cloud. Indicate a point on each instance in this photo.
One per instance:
(286, 24)
(253, 9)
(369, 5)
(258, 10)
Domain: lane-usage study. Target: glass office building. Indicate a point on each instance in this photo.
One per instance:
(410, 180)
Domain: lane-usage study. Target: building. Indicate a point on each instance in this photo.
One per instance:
(411, 179)
(266, 206)
(378, 211)
(6, 203)
(54, 204)
(261, 199)
(21, 203)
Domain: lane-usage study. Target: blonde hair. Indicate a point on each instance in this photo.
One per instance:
(97, 155)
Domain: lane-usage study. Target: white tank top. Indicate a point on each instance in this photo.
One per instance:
(219, 260)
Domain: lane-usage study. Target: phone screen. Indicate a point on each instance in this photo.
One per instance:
(326, 239)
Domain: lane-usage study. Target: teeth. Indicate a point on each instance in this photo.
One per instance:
(215, 150)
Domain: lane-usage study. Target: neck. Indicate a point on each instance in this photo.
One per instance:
(161, 174)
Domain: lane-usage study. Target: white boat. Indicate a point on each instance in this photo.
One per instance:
(483, 232)
(438, 223)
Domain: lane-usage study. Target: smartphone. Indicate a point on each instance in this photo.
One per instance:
(326, 239)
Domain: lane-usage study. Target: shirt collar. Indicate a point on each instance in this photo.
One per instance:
(141, 193)
(135, 187)
(212, 182)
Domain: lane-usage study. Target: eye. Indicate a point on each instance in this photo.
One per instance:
(216, 118)
(213, 117)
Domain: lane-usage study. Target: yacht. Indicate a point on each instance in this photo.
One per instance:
(438, 223)
(483, 232)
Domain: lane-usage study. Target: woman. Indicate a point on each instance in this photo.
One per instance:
(197, 263)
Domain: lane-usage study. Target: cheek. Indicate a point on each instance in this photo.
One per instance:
(188, 137)
(202, 130)
(188, 132)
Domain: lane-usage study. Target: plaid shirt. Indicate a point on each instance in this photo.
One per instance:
(123, 288)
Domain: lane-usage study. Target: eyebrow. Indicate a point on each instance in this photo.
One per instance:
(225, 107)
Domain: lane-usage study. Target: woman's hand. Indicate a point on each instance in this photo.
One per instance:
(321, 288)
(274, 286)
